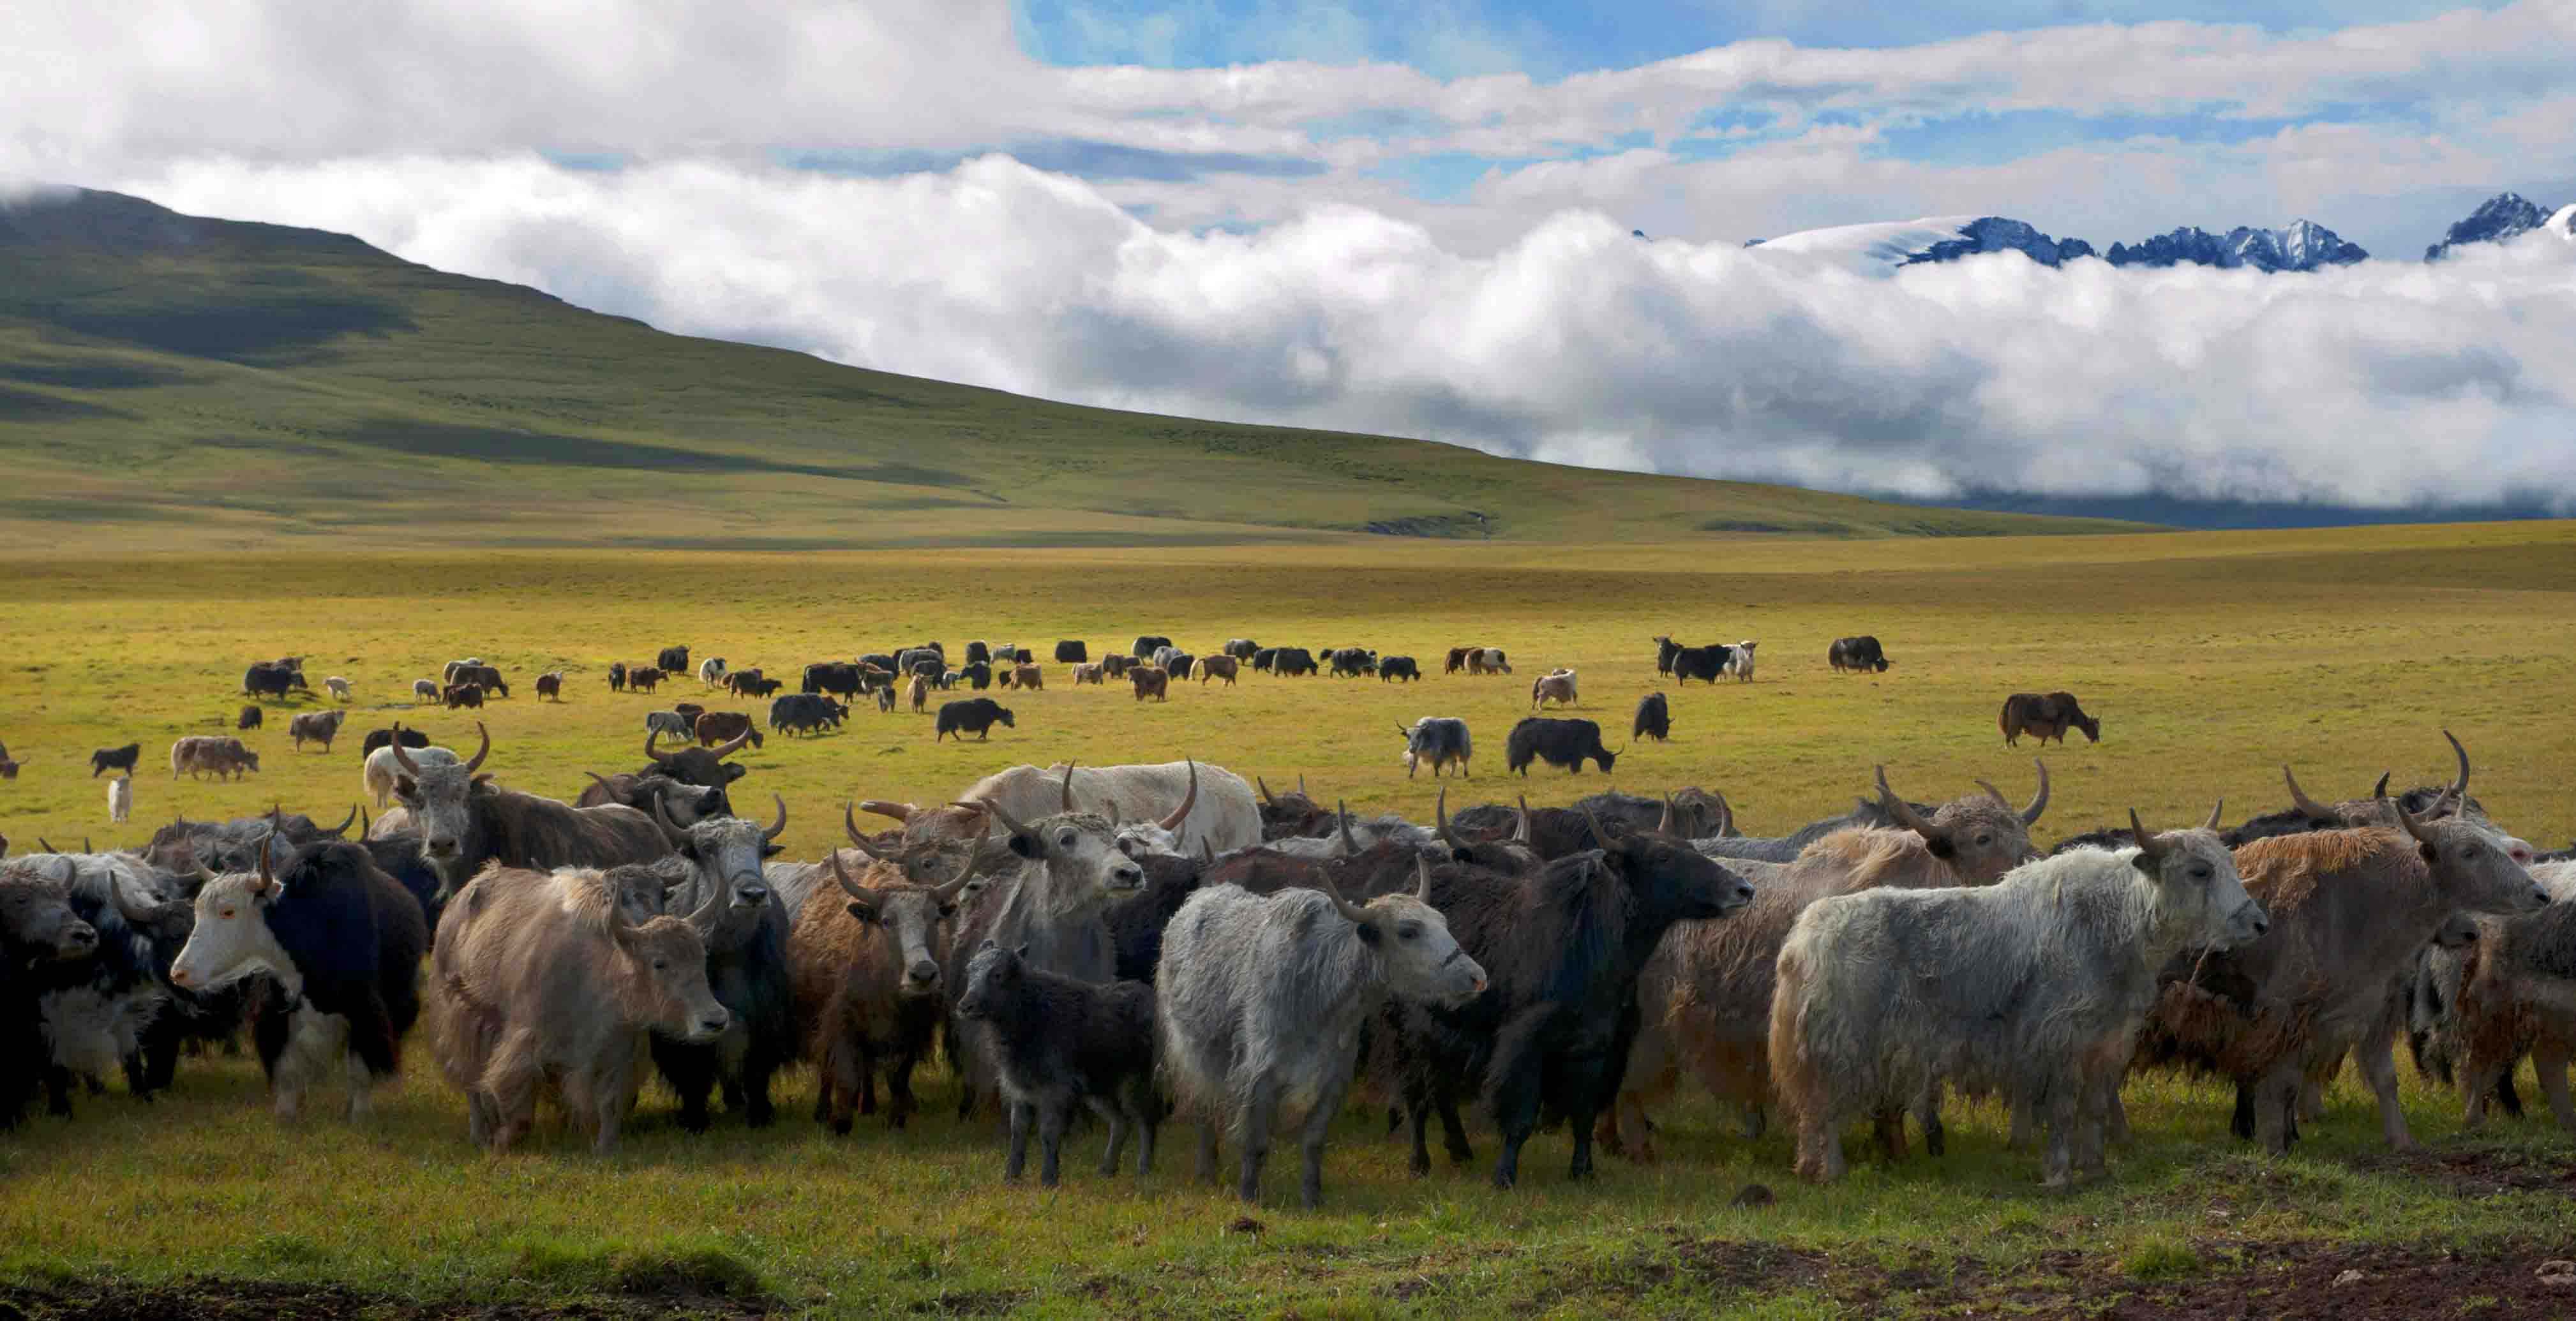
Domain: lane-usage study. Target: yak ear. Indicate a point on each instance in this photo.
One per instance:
(862, 911)
(772, 850)
(1022, 952)
(1940, 846)
(1023, 845)
(1367, 932)
(735, 771)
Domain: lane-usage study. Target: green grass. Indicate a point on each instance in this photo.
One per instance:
(2212, 658)
(260, 382)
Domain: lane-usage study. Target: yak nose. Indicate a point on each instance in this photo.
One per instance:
(1130, 876)
(83, 935)
(2540, 897)
(715, 1022)
(924, 972)
(752, 894)
(442, 848)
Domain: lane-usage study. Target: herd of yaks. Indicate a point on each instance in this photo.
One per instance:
(1145, 940)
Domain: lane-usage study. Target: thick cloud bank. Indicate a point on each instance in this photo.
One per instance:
(2382, 385)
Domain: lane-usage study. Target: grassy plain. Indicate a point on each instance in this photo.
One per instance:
(2211, 659)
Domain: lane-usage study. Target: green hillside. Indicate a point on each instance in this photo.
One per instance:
(190, 383)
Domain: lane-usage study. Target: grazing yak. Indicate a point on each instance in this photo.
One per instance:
(199, 754)
(120, 799)
(672, 660)
(1564, 946)
(1146, 645)
(273, 679)
(544, 983)
(1702, 663)
(1095, 673)
(550, 685)
(1218, 667)
(38, 931)
(867, 979)
(2033, 987)
(1707, 993)
(1290, 662)
(1262, 1001)
(113, 759)
(711, 671)
(974, 715)
(426, 690)
(379, 738)
(719, 727)
(1060, 1044)
(644, 678)
(1071, 652)
(1352, 662)
(486, 677)
(1150, 681)
(1857, 655)
(2045, 718)
(1654, 719)
(462, 694)
(1440, 740)
(465, 822)
(2350, 909)
(1487, 660)
(810, 713)
(316, 726)
(339, 687)
(1565, 743)
(341, 942)
(251, 717)
(1665, 650)
(1556, 686)
(1392, 668)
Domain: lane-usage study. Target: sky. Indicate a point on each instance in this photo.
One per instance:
(1418, 219)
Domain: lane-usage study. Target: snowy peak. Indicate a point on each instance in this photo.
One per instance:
(2500, 218)
(2304, 245)
(1998, 234)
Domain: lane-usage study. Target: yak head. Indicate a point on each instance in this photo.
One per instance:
(37, 923)
(1980, 837)
(726, 853)
(2197, 889)
(1412, 941)
(437, 796)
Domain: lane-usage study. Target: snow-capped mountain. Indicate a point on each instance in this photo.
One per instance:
(2303, 246)
(2501, 217)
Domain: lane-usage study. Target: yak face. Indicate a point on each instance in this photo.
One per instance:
(1980, 837)
(910, 918)
(2472, 867)
(2197, 888)
(36, 919)
(993, 979)
(232, 939)
(1422, 959)
(1671, 878)
(1079, 848)
(668, 960)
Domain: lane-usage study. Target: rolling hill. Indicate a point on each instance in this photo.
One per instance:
(179, 382)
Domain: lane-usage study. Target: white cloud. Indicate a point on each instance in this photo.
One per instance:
(2386, 384)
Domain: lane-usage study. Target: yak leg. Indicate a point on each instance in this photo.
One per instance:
(1319, 1126)
(2379, 1069)
(1417, 1113)
(2115, 1117)
(1927, 1112)
(2549, 1060)
(1205, 1171)
(1147, 1106)
(1260, 1109)
(2274, 1099)
(899, 1099)
(1753, 1122)
(1583, 1084)
(1116, 1118)
(1023, 1115)
(1516, 1107)
(844, 1074)
(1887, 1129)
(1052, 1119)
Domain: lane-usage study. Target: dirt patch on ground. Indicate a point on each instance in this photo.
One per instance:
(206, 1299)
(2479, 1172)
(2259, 1280)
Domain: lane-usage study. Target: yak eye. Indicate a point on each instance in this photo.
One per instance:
(661, 965)
(1408, 930)
(1065, 839)
(2200, 873)
(225, 914)
(1985, 839)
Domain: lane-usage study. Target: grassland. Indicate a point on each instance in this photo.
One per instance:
(2211, 658)
(214, 384)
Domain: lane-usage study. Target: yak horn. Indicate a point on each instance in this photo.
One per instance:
(880, 807)
(2307, 806)
(1351, 911)
(44, 845)
(267, 868)
(2146, 843)
(733, 745)
(850, 887)
(650, 751)
(140, 914)
(1725, 816)
(1189, 800)
(1342, 821)
(2039, 804)
(341, 831)
(2408, 819)
(486, 750)
(2380, 790)
(2460, 790)
(1664, 824)
(401, 757)
(850, 823)
(1421, 878)
(1995, 793)
(1902, 812)
(1010, 824)
(366, 824)
(1207, 852)
(1522, 832)
(781, 828)
(1440, 815)
(1111, 809)
(670, 829)
(1068, 788)
(1264, 787)
(2212, 822)
(1600, 833)
(947, 894)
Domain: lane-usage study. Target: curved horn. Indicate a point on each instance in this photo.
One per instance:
(1342, 822)
(1009, 823)
(1068, 788)
(366, 824)
(401, 757)
(71, 870)
(1902, 812)
(650, 751)
(2460, 791)
(719, 898)
(1440, 816)
(604, 786)
(781, 827)
(1725, 815)
(267, 865)
(733, 745)
(670, 829)
(1664, 824)
(1188, 800)
(2039, 804)
(947, 894)
(2380, 790)
(1994, 793)
(1522, 833)
(341, 831)
(2308, 807)
(1207, 852)
(486, 750)
(140, 914)
(880, 807)
(1350, 911)
(2414, 824)
(2146, 843)
(2212, 822)
(1421, 878)
(44, 845)
(1301, 784)
(1600, 833)
(1266, 796)
(848, 886)
(850, 824)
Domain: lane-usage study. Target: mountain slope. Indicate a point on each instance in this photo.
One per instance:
(195, 382)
